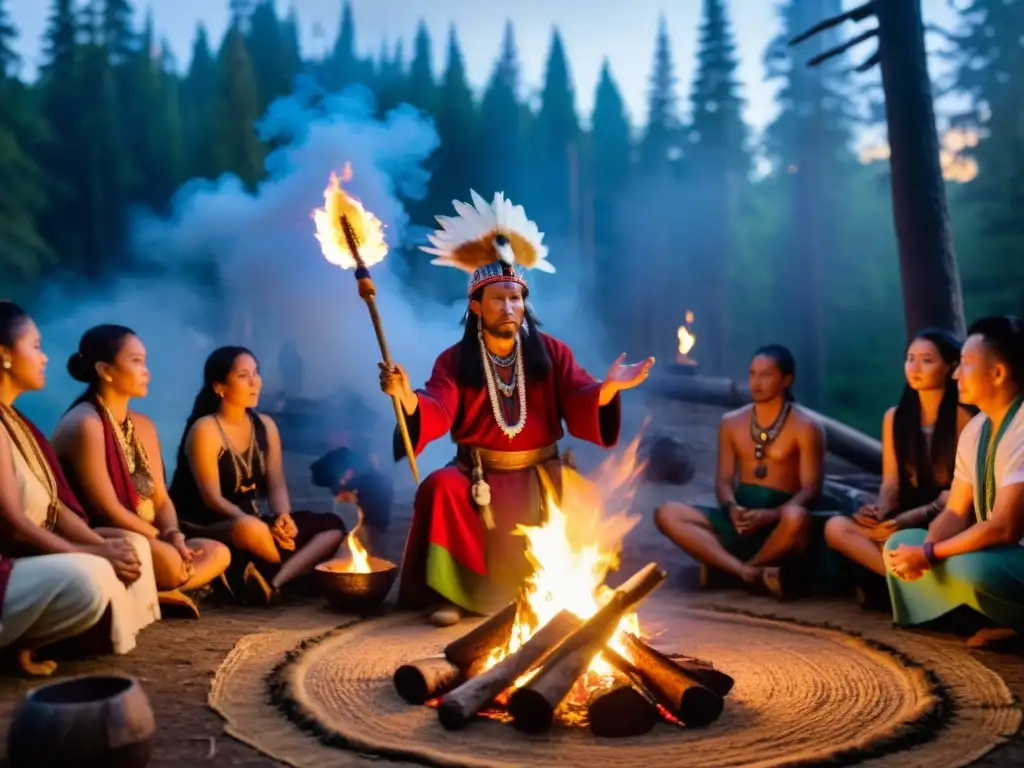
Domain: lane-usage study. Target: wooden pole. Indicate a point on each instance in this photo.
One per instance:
(368, 292)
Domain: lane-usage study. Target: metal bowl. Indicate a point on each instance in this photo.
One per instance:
(355, 592)
(96, 721)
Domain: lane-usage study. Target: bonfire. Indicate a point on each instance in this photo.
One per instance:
(569, 648)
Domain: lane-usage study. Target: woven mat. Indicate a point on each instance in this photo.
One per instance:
(806, 694)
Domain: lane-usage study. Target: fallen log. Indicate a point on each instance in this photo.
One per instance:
(681, 694)
(533, 706)
(845, 442)
(460, 705)
(478, 643)
(424, 679)
(617, 709)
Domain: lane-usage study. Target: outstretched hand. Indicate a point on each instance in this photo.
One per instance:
(622, 376)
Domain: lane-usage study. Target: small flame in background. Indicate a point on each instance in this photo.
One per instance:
(686, 338)
(360, 562)
(368, 228)
(572, 552)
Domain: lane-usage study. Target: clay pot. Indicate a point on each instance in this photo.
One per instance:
(97, 721)
(355, 592)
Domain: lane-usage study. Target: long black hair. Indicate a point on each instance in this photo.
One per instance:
(215, 371)
(100, 344)
(784, 361)
(470, 368)
(12, 320)
(923, 474)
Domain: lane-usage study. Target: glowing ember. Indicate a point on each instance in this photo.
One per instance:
(572, 553)
(368, 228)
(360, 562)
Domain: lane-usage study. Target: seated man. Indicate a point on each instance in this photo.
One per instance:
(502, 393)
(975, 559)
(777, 452)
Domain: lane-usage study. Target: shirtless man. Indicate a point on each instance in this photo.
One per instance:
(776, 452)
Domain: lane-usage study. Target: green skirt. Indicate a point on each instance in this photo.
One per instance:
(990, 582)
(825, 564)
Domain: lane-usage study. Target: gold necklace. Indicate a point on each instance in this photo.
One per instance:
(29, 448)
(131, 448)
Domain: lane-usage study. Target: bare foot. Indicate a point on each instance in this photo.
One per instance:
(772, 580)
(257, 590)
(179, 602)
(446, 616)
(990, 636)
(34, 667)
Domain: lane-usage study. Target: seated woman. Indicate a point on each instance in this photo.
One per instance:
(113, 460)
(229, 483)
(919, 438)
(58, 578)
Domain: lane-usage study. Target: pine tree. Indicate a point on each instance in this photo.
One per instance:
(61, 156)
(608, 171)
(25, 252)
(456, 127)
(118, 37)
(717, 170)
(272, 63)
(556, 148)
(660, 146)
(421, 89)
(343, 67)
(291, 48)
(199, 95)
(809, 147)
(389, 84)
(499, 142)
(990, 69)
(239, 150)
(107, 171)
(9, 59)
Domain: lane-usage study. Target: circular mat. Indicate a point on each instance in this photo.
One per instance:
(804, 695)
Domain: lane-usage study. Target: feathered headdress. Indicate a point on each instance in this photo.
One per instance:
(490, 242)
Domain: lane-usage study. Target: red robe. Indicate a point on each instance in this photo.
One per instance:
(449, 551)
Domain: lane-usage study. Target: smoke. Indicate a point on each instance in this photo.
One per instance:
(275, 289)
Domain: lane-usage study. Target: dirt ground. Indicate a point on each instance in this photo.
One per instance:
(176, 659)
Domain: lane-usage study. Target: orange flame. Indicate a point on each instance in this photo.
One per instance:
(368, 228)
(572, 552)
(360, 562)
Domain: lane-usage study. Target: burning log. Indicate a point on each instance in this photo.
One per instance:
(533, 706)
(483, 639)
(617, 709)
(459, 706)
(420, 681)
(676, 689)
(713, 679)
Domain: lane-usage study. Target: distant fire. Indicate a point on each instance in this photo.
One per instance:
(686, 340)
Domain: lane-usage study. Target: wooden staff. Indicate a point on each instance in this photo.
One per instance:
(368, 292)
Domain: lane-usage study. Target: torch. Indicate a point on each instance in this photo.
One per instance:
(343, 228)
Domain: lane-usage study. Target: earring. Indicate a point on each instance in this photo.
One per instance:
(7, 364)
(479, 328)
(107, 379)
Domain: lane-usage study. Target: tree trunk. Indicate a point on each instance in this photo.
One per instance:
(928, 269)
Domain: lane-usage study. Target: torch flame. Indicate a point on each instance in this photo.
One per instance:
(368, 228)
(360, 562)
(572, 552)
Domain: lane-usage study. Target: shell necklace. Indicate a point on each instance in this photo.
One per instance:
(493, 385)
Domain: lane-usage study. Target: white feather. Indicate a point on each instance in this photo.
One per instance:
(477, 220)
